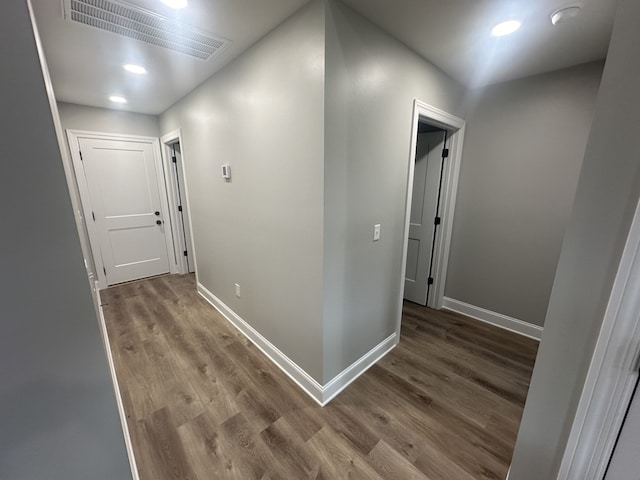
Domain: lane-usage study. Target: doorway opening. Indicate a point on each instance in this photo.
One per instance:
(431, 154)
(174, 170)
(434, 168)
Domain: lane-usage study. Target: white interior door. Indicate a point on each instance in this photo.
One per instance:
(124, 189)
(426, 182)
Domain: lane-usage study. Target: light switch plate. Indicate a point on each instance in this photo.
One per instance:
(376, 232)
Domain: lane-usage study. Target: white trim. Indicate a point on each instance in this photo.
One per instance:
(455, 126)
(341, 381)
(612, 375)
(321, 394)
(116, 387)
(73, 137)
(496, 319)
(172, 196)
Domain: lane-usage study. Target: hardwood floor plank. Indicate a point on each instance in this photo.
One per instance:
(203, 403)
(390, 464)
(161, 451)
(338, 459)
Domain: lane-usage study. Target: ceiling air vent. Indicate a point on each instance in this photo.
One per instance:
(133, 22)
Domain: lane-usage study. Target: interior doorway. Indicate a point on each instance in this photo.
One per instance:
(174, 169)
(123, 197)
(431, 153)
(434, 168)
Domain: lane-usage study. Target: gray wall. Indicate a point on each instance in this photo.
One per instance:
(606, 198)
(59, 418)
(523, 149)
(371, 82)
(263, 114)
(80, 117)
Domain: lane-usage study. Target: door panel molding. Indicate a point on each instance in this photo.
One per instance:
(74, 137)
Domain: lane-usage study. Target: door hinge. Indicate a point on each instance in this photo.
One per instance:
(430, 281)
(185, 253)
(179, 208)
(174, 159)
(94, 216)
(105, 271)
(80, 152)
(445, 153)
(436, 221)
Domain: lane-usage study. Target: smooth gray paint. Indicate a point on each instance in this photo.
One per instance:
(606, 199)
(371, 83)
(262, 114)
(625, 462)
(59, 418)
(80, 117)
(523, 149)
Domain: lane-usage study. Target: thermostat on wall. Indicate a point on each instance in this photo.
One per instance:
(226, 171)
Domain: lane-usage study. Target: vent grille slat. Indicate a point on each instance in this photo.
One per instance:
(137, 24)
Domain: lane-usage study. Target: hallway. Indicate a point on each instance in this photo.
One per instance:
(202, 402)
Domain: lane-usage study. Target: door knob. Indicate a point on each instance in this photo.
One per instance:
(157, 214)
(158, 222)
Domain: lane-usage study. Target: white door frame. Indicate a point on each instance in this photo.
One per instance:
(170, 179)
(455, 127)
(612, 374)
(74, 137)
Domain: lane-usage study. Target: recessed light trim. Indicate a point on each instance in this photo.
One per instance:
(506, 28)
(565, 14)
(137, 69)
(117, 99)
(176, 4)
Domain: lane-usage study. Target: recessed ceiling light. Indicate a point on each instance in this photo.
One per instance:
(117, 99)
(137, 69)
(505, 28)
(177, 4)
(564, 14)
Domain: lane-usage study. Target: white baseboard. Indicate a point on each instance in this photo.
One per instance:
(321, 394)
(288, 366)
(497, 319)
(357, 368)
(116, 387)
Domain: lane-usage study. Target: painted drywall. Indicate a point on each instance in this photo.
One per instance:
(262, 114)
(371, 83)
(523, 149)
(80, 117)
(606, 198)
(59, 417)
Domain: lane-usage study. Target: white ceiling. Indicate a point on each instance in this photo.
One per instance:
(85, 62)
(454, 34)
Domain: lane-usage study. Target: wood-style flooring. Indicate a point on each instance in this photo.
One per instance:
(203, 403)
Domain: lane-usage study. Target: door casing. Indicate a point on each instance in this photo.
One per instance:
(170, 180)
(73, 137)
(422, 112)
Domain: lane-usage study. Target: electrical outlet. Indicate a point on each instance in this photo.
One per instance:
(376, 232)
(238, 290)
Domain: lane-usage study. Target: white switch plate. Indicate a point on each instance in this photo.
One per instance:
(376, 232)
(238, 290)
